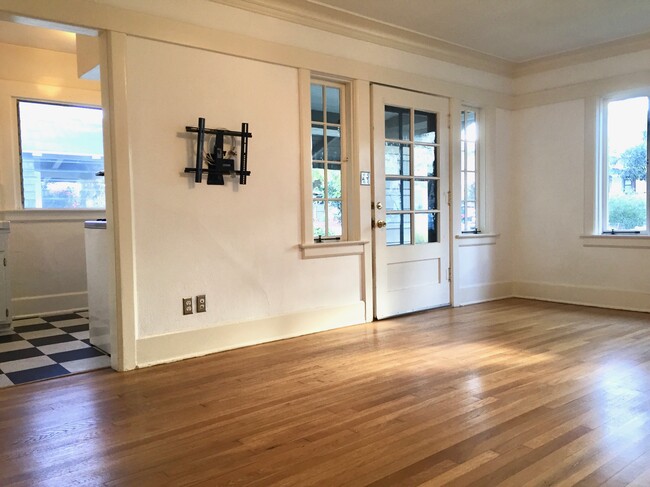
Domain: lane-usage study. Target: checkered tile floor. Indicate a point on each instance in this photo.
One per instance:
(46, 347)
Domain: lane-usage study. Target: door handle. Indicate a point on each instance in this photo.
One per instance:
(381, 223)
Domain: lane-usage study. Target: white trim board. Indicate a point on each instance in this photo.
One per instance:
(49, 304)
(195, 343)
(481, 293)
(584, 295)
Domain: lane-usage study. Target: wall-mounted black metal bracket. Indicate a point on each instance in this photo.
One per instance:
(218, 165)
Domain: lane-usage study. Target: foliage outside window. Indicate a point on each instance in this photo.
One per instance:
(626, 166)
(469, 170)
(328, 149)
(61, 150)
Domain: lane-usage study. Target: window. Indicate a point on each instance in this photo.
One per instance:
(625, 166)
(61, 152)
(412, 177)
(469, 174)
(328, 159)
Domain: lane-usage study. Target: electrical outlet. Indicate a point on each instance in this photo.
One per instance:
(187, 306)
(200, 304)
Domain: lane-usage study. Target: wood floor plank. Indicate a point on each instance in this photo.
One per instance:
(512, 392)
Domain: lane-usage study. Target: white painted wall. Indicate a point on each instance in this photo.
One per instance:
(236, 244)
(551, 261)
(46, 249)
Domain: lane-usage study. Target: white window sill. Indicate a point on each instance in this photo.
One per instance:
(475, 239)
(332, 249)
(51, 215)
(616, 241)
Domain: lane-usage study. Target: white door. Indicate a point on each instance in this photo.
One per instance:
(410, 201)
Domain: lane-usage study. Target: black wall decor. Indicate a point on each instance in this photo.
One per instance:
(218, 162)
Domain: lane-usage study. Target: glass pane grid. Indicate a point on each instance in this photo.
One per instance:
(469, 173)
(327, 158)
(411, 176)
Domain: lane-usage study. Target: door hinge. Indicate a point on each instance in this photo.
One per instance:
(449, 121)
(6, 312)
(449, 198)
(4, 261)
(449, 274)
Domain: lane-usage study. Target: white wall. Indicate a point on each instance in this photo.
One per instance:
(551, 260)
(46, 249)
(236, 244)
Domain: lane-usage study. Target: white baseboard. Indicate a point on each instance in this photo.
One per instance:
(584, 295)
(194, 343)
(481, 293)
(49, 304)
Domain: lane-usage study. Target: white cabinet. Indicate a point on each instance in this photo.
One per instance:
(5, 291)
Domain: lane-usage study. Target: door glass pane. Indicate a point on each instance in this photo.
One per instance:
(424, 163)
(627, 139)
(397, 123)
(425, 127)
(319, 218)
(398, 229)
(316, 103)
(333, 105)
(333, 143)
(334, 219)
(397, 159)
(334, 181)
(318, 180)
(317, 141)
(398, 194)
(426, 227)
(426, 195)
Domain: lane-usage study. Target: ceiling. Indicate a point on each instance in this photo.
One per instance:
(513, 30)
(39, 37)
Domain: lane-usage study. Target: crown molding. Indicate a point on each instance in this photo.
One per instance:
(618, 47)
(344, 23)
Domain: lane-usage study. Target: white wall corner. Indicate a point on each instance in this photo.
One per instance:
(481, 293)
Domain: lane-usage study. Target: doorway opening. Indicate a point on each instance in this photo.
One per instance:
(53, 205)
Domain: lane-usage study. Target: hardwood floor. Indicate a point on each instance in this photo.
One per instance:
(511, 393)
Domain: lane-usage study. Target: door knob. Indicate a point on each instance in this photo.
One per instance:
(381, 223)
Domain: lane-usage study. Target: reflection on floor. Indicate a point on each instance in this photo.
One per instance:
(46, 347)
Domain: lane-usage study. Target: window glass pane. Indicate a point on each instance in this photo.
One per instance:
(398, 194)
(426, 227)
(397, 159)
(318, 180)
(627, 126)
(333, 105)
(334, 219)
(61, 152)
(398, 229)
(471, 156)
(334, 189)
(333, 143)
(319, 218)
(424, 163)
(397, 123)
(425, 127)
(470, 194)
(469, 216)
(316, 103)
(469, 128)
(317, 141)
(426, 195)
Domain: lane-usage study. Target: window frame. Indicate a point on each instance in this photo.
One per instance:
(344, 102)
(19, 141)
(479, 166)
(602, 172)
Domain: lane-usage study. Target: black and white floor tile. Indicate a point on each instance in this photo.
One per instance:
(46, 347)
